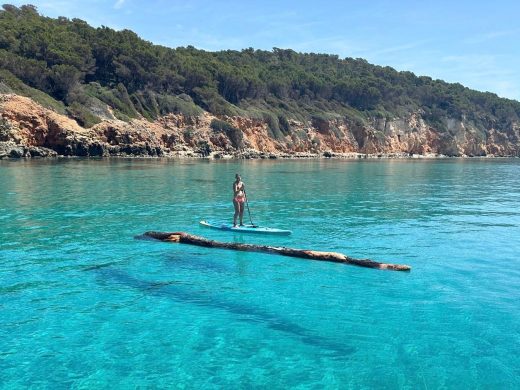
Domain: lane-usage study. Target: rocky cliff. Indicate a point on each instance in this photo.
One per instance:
(28, 130)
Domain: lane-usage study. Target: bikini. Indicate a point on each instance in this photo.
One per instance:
(240, 197)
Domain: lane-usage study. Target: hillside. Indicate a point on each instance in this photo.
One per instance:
(275, 101)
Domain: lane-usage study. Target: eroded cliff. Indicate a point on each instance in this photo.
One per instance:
(27, 130)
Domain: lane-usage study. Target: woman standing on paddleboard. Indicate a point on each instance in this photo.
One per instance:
(239, 197)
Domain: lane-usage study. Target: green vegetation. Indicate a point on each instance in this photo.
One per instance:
(75, 68)
(11, 84)
(234, 134)
(82, 115)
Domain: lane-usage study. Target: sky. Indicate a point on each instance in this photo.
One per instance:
(475, 43)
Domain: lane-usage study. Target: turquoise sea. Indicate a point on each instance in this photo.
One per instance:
(85, 305)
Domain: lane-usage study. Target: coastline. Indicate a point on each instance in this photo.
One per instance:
(21, 152)
(29, 130)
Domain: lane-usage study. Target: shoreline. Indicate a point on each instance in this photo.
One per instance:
(30, 153)
(28, 130)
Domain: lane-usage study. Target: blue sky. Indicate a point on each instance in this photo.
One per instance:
(476, 43)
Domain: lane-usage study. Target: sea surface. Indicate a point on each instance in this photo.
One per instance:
(86, 305)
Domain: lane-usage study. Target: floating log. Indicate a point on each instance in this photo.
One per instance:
(335, 257)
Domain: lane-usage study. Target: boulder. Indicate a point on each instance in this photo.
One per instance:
(39, 151)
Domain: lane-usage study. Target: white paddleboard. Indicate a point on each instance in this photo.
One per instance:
(245, 228)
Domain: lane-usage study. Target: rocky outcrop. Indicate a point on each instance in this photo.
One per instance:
(12, 150)
(29, 130)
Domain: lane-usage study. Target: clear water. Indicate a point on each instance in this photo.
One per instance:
(85, 305)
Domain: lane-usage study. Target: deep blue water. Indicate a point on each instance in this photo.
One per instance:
(83, 304)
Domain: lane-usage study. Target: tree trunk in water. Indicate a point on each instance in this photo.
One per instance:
(335, 257)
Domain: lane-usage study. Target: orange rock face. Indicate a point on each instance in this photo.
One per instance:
(26, 123)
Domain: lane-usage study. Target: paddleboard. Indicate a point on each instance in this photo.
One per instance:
(245, 229)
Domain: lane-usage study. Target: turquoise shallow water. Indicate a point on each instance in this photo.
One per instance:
(85, 305)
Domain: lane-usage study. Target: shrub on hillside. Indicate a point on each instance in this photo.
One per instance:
(235, 135)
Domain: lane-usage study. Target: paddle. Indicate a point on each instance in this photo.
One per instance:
(249, 212)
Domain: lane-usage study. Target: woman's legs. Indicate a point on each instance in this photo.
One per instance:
(241, 212)
(237, 212)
